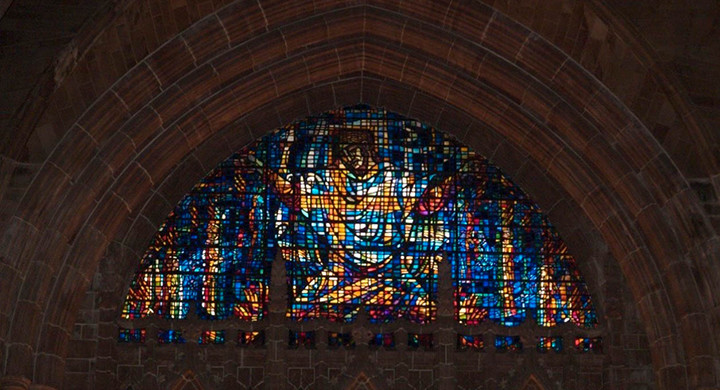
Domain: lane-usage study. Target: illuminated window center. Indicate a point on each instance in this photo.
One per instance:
(362, 205)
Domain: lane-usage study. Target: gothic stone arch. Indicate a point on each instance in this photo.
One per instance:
(472, 72)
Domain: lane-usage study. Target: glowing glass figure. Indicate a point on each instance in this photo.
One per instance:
(362, 205)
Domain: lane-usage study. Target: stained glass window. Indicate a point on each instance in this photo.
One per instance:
(297, 339)
(254, 338)
(549, 343)
(385, 340)
(170, 336)
(470, 342)
(362, 204)
(131, 335)
(508, 343)
(212, 337)
(417, 340)
(589, 344)
(336, 339)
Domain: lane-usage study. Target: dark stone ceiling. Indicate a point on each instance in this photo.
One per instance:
(40, 40)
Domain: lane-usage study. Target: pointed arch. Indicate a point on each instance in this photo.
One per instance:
(187, 381)
(533, 383)
(649, 218)
(361, 382)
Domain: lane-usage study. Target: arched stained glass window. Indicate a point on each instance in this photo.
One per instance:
(362, 204)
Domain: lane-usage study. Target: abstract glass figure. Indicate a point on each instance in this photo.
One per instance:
(362, 204)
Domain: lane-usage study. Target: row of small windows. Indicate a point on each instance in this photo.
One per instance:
(420, 341)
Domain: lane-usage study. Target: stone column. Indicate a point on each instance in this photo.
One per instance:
(276, 333)
(445, 337)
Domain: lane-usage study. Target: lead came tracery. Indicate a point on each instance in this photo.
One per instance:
(362, 205)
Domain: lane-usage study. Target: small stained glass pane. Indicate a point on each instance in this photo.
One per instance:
(420, 340)
(131, 335)
(589, 344)
(208, 337)
(384, 340)
(170, 336)
(251, 338)
(550, 343)
(336, 340)
(301, 339)
(508, 343)
(470, 342)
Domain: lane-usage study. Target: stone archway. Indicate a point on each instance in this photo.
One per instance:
(538, 113)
